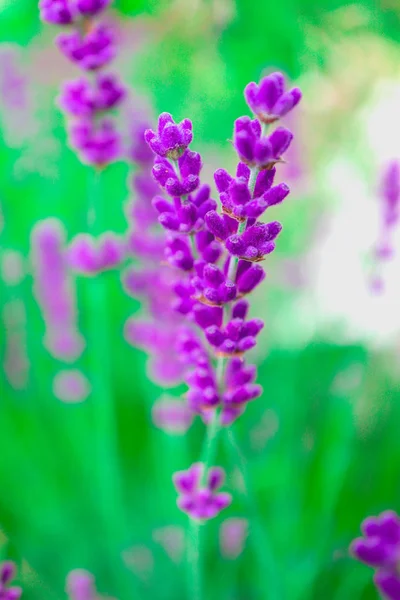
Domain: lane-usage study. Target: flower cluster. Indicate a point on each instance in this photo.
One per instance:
(213, 257)
(197, 500)
(380, 548)
(90, 45)
(390, 197)
(7, 574)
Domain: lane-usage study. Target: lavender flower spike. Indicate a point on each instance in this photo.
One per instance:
(379, 548)
(256, 150)
(198, 501)
(57, 12)
(80, 585)
(7, 574)
(268, 100)
(171, 139)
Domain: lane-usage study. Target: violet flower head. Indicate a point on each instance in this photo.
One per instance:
(380, 548)
(80, 585)
(171, 139)
(232, 537)
(256, 150)
(57, 12)
(201, 501)
(268, 100)
(172, 415)
(90, 52)
(80, 98)
(89, 256)
(237, 199)
(54, 290)
(390, 192)
(7, 574)
(98, 144)
(255, 242)
(91, 7)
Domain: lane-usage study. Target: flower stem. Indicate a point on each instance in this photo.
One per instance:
(193, 560)
(261, 542)
(99, 352)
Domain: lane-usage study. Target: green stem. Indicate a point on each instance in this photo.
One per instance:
(102, 395)
(261, 543)
(193, 559)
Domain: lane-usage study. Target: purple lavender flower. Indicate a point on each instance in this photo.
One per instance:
(57, 12)
(97, 144)
(232, 537)
(187, 216)
(7, 574)
(171, 139)
(237, 199)
(54, 290)
(211, 286)
(80, 585)
(81, 99)
(379, 548)
(90, 52)
(171, 415)
(71, 386)
(255, 242)
(91, 7)
(268, 100)
(201, 502)
(256, 150)
(90, 257)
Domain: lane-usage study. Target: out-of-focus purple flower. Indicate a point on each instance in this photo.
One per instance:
(172, 415)
(171, 139)
(98, 144)
(201, 501)
(89, 256)
(90, 52)
(57, 12)
(7, 574)
(268, 100)
(82, 99)
(255, 242)
(91, 7)
(390, 192)
(379, 548)
(80, 585)
(232, 537)
(139, 151)
(54, 290)
(172, 539)
(71, 386)
(256, 150)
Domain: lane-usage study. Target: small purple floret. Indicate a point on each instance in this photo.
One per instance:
(199, 501)
(171, 139)
(268, 100)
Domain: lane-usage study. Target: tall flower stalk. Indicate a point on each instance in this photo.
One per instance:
(215, 254)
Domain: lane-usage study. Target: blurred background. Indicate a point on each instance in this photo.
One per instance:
(322, 442)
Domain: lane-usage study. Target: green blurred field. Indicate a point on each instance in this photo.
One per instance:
(322, 443)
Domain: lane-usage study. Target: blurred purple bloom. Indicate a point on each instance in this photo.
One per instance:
(139, 151)
(82, 99)
(390, 192)
(98, 144)
(172, 415)
(201, 501)
(89, 256)
(171, 139)
(57, 12)
(91, 7)
(7, 574)
(90, 52)
(71, 386)
(232, 537)
(268, 100)
(379, 548)
(80, 585)
(54, 290)
(258, 151)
